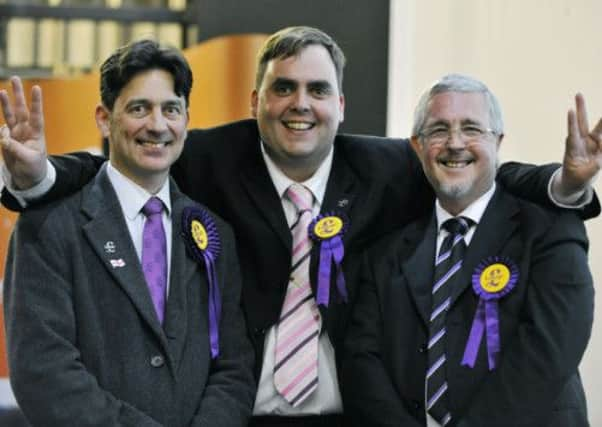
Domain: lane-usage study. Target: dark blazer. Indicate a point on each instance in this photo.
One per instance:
(545, 324)
(85, 347)
(376, 182)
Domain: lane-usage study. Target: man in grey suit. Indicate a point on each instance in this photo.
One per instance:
(101, 334)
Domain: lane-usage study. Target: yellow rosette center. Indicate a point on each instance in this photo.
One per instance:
(199, 234)
(328, 226)
(495, 278)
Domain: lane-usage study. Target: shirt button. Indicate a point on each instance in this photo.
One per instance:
(157, 361)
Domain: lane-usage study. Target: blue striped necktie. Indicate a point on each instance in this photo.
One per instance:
(447, 270)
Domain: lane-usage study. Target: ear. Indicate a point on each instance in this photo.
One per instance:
(417, 146)
(499, 141)
(342, 107)
(102, 115)
(254, 102)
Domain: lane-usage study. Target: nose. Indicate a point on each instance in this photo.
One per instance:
(300, 101)
(157, 121)
(455, 139)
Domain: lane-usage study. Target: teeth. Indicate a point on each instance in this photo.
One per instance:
(298, 125)
(153, 143)
(455, 164)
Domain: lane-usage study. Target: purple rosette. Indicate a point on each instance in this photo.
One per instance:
(493, 279)
(203, 243)
(327, 230)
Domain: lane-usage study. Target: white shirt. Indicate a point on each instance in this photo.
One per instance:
(326, 399)
(132, 198)
(475, 212)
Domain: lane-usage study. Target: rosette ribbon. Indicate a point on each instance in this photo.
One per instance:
(493, 278)
(203, 243)
(327, 230)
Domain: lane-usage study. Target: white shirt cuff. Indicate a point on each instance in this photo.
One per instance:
(27, 196)
(572, 201)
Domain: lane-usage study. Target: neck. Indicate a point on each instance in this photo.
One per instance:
(151, 182)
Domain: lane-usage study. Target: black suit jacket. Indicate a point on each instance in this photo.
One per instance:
(377, 182)
(85, 346)
(545, 324)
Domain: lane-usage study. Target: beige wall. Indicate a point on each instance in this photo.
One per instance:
(535, 55)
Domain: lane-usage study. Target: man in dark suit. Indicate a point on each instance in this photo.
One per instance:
(366, 185)
(488, 335)
(105, 328)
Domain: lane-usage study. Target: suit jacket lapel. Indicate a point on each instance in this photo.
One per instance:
(260, 188)
(418, 268)
(493, 231)
(108, 235)
(182, 275)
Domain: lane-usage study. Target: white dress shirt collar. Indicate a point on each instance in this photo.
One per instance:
(131, 196)
(316, 184)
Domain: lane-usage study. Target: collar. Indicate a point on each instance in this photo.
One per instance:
(316, 184)
(131, 196)
(473, 211)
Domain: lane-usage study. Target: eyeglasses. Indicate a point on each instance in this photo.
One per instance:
(468, 134)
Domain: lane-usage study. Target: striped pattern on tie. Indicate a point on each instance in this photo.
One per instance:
(298, 330)
(447, 266)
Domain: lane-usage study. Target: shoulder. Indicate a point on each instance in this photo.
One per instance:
(52, 221)
(223, 136)
(548, 224)
(374, 153)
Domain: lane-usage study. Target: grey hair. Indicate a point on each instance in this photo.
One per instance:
(458, 83)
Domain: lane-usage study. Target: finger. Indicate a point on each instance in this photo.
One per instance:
(37, 113)
(573, 130)
(581, 114)
(21, 112)
(4, 136)
(597, 133)
(7, 111)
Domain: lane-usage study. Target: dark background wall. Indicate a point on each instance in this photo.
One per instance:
(360, 27)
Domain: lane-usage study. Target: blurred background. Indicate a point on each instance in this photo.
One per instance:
(534, 54)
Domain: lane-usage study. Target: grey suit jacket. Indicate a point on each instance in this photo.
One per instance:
(84, 344)
(545, 323)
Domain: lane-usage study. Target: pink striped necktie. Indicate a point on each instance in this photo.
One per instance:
(297, 332)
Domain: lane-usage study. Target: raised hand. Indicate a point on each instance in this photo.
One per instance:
(582, 154)
(22, 139)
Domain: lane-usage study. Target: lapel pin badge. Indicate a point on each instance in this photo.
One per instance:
(110, 247)
(342, 203)
(116, 263)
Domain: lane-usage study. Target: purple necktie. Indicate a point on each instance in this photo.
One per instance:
(154, 254)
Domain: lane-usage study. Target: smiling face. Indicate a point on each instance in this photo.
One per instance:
(299, 108)
(146, 128)
(460, 172)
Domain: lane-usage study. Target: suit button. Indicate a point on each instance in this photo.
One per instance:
(422, 348)
(157, 361)
(258, 332)
(416, 404)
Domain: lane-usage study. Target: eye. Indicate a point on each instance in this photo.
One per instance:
(320, 91)
(283, 89)
(172, 111)
(437, 133)
(137, 110)
(472, 131)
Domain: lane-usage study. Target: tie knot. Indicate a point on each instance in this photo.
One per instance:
(457, 225)
(153, 206)
(300, 196)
